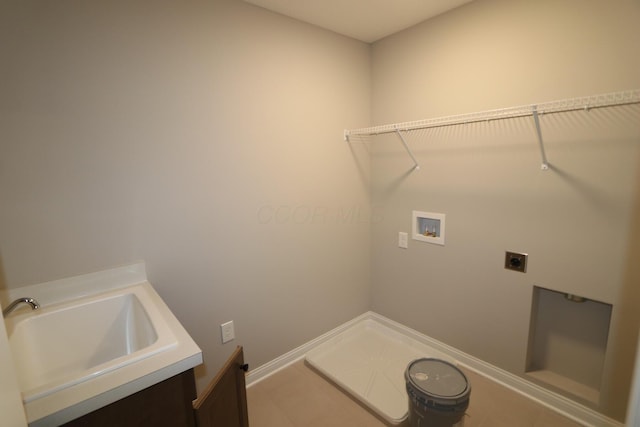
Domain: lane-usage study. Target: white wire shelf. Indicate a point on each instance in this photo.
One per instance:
(572, 104)
(535, 110)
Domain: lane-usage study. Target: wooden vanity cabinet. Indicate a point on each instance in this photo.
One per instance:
(167, 403)
(173, 402)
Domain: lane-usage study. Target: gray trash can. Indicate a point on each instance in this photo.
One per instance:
(438, 393)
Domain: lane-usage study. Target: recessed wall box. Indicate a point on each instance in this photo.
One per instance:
(568, 344)
(428, 227)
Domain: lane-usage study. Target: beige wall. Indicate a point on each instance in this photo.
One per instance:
(204, 138)
(574, 221)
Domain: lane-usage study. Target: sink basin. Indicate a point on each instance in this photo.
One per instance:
(60, 346)
(94, 340)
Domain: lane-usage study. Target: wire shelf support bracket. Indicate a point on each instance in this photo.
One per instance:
(536, 120)
(416, 165)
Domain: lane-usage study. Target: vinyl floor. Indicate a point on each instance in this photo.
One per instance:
(298, 396)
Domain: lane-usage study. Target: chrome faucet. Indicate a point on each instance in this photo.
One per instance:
(33, 303)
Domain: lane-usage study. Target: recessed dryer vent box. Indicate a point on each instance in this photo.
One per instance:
(428, 227)
(568, 343)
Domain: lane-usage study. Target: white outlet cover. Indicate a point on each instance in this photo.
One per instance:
(403, 240)
(228, 334)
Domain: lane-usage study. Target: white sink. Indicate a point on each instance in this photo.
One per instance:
(77, 355)
(56, 347)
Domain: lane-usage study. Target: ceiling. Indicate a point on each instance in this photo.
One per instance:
(365, 20)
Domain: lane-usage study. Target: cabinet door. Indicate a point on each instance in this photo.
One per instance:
(224, 403)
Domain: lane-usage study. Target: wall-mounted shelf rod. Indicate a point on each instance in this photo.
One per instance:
(582, 103)
(572, 104)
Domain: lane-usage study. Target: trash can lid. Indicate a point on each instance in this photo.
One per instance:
(437, 378)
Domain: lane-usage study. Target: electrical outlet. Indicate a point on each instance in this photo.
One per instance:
(515, 261)
(403, 240)
(228, 333)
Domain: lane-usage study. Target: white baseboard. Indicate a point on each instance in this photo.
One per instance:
(551, 400)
